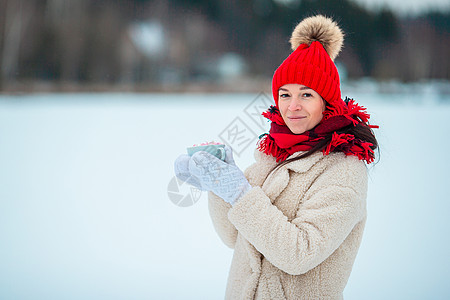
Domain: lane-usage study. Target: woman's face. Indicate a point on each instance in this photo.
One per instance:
(300, 107)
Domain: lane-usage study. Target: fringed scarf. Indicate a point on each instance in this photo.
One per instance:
(280, 142)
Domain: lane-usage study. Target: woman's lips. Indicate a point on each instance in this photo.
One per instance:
(296, 118)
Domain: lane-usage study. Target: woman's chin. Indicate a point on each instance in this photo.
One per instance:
(297, 130)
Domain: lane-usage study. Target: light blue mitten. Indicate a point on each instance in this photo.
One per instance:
(224, 179)
(181, 168)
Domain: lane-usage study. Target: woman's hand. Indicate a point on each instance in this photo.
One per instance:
(224, 179)
(181, 167)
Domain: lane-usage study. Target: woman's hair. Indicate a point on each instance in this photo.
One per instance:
(360, 131)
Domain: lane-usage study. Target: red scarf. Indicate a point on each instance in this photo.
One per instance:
(281, 142)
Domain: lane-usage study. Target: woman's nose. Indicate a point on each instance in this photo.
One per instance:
(294, 105)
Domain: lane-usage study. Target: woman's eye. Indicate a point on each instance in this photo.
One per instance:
(284, 95)
(307, 95)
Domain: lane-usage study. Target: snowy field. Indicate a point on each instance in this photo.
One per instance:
(85, 211)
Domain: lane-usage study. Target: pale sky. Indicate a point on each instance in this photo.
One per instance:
(403, 7)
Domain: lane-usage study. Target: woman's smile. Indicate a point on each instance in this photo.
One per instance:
(300, 107)
(296, 118)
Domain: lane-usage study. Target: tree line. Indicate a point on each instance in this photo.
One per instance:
(97, 41)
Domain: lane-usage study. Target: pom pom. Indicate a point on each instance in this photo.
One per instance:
(321, 29)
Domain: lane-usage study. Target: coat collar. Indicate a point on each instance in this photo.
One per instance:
(274, 183)
(303, 165)
(299, 166)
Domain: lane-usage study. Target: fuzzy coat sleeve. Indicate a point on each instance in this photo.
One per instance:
(331, 208)
(218, 210)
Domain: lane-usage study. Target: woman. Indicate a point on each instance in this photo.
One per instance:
(296, 218)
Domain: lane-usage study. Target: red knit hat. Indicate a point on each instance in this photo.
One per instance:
(316, 42)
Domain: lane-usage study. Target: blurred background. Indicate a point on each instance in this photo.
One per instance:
(174, 45)
(99, 97)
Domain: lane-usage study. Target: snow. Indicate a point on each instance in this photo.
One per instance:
(85, 212)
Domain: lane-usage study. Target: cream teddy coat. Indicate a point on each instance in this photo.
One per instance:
(295, 234)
